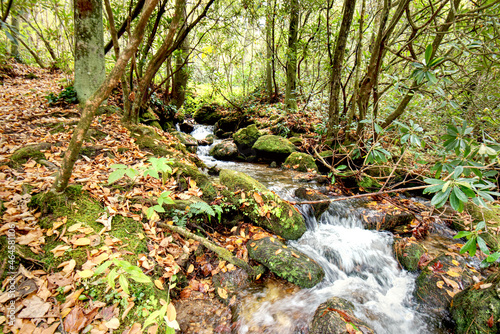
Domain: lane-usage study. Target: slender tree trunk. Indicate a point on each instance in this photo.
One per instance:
(181, 75)
(291, 61)
(5, 14)
(89, 48)
(269, 54)
(336, 70)
(14, 44)
(151, 37)
(400, 109)
(116, 47)
(44, 40)
(359, 52)
(123, 27)
(62, 178)
(273, 45)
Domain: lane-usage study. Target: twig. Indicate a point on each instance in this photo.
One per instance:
(358, 196)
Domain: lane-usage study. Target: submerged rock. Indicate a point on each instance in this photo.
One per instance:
(228, 284)
(225, 150)
(336, 316)
(273, 147)
(477, 309)
(263, 207)
(286, 262)
(301, 161)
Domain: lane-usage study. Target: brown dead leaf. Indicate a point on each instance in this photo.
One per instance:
(113, 323)
(222, 292)
(258, 198)
(75, 321)
(35, 307)
(135, 329)
(451, 283)
(159, 284)
(278, 251)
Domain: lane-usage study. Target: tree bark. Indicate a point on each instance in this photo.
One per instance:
(269, 54)
(89, 48)
(62, 178)
(5, 14)
(336, 70)
(291, 61)
(14, 44)
(180, 78)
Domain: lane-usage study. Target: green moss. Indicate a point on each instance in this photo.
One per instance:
(246, 137)
(274, 144)
(23, 154)
(301, 161)
(185, 170)
(286, 262)
(408, 254)
(368, 183)
(280, 217)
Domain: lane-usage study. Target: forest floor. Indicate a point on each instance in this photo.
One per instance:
(60, 245)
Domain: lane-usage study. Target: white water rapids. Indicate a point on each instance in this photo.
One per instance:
(359, 266)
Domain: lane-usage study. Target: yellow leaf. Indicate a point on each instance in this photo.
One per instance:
(114, 323)
(440, 284)
(222, 292)
(451, 293)
(190, 269)
(295, 255)
(278, 251)
(81, 242)
(253, 244)
(85, 273)
(455, 262)
(290, 213)
(271, 239)
(453, 273)
(258, 198)
(75, 227)
(258, 276)
(451, 283)
(59, 250)
(159, 284)
(171, 312)
(485, 286)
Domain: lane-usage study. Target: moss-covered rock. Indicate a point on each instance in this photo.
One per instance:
(296, 141)
(330, 318)
(432, 290)
(473, 308)
(300, 161)
(225, 150)
(187, 140)
(185, 170)
(309, 194)
(208, 114)
(230, 124)
(286, 262)
(408, 253)
(382, 217)
(23, 154)
(246, 137)
(273, 148)
(265, 209)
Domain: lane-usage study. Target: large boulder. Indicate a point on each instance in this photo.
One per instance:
(246, 137)
(208, 114)
(381, 215)
(274, 148)
(228, 284)
(263, 207)
(301, 162)
(225, 127)
(286, 262)
(476, 310)
(225, 150)
(440, 280)
(336, 316)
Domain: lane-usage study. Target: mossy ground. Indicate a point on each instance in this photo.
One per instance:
(78, 207)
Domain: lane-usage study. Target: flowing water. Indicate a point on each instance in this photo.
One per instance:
(358, 264)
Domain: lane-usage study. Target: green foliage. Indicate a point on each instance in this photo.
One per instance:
(474, 239)
(68, 95)
(425, 72)
(180, 217)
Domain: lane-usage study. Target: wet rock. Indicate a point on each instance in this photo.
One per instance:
(286, 262)
(209, 140)
(189, 141)
(199, 315)
(228, 284)
(265, 209)
(336, 316)
(382, 216)
(276, 148)
(309, 194)
(187, 125)
(186, 170)
(408, 253)
(311, 177)
(225, 150)
(23, 154)
(435, 285)
(231, 123)
(477, 308)
(208, 114)
(301, 162)
(246, 137)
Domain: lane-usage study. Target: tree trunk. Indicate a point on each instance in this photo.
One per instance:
(89, 48)
(126, 22)
(269, 55)
(336, 70)
(91, 105)
(181, 75)
(14, 44)
(291, 61)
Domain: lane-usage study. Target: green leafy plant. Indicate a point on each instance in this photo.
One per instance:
(425, 71)
(68, 95)
(474, 239)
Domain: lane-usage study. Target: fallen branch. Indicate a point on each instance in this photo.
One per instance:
(358, 196)
(222, 252)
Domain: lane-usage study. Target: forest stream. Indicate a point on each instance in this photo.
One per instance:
(359, 266)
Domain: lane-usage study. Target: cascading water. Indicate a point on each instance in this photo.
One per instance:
(358, 264)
